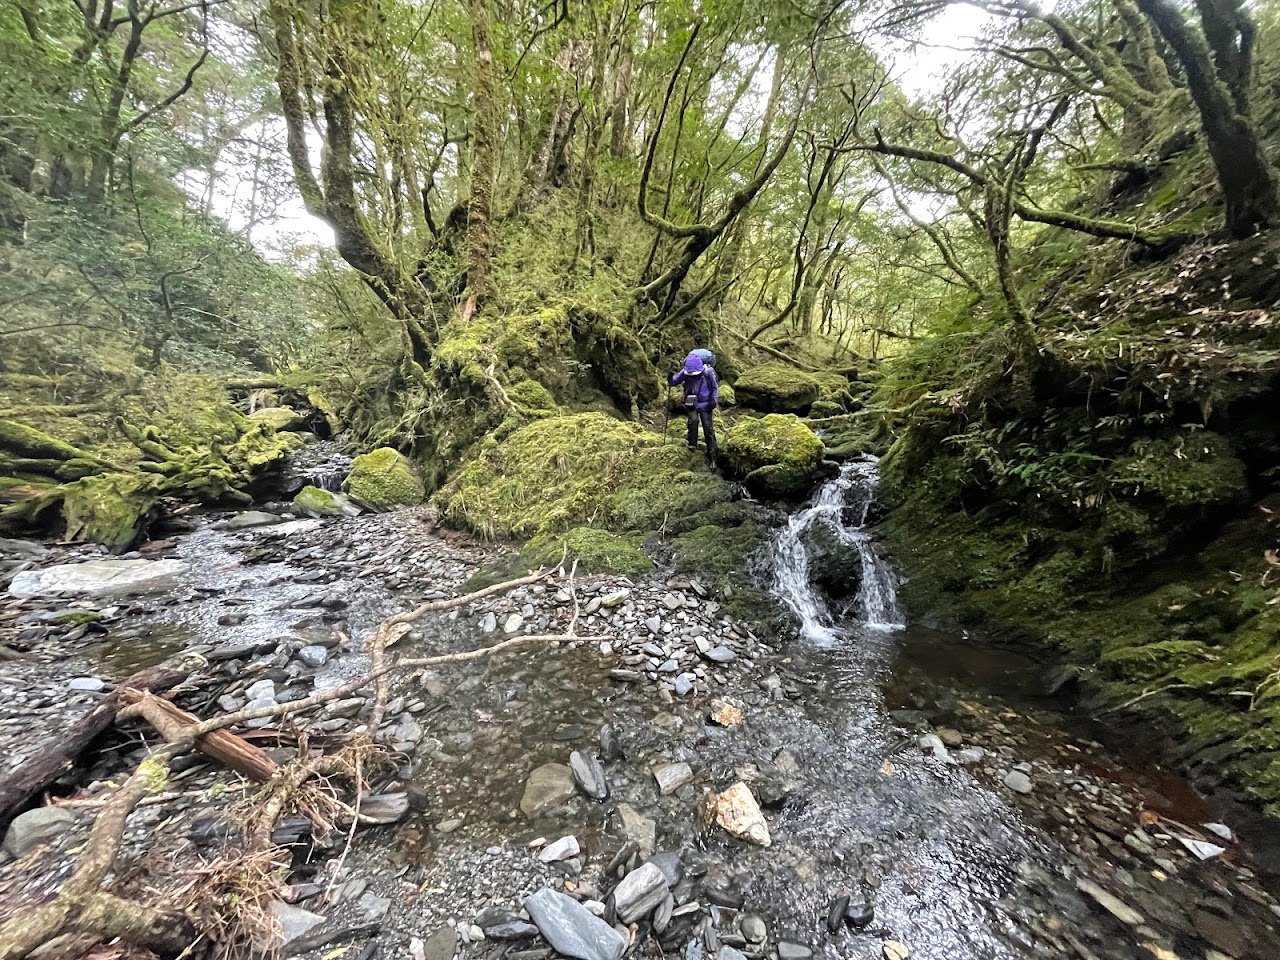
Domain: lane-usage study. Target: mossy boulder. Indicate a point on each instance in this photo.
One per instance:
(558, 473)
(825, 408)
(279, 418)
(595, 550)
(314, 502)
(728, 395)
(112, 509)
(716, 550)
(777, 388)
(778, 455)
(384, 479)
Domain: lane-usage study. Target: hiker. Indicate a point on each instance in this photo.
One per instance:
(701, 397)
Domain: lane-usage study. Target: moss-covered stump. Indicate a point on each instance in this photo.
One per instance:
(777, 455)
(585, 469)
(384, 479)
(315, 502)
(777, 388)
(594, 550)
(279, 418)
(112, 509)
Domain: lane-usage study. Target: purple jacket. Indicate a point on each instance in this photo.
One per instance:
(702, 385)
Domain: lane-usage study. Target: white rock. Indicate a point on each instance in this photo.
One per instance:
(562, 849)
(97, 578)
(512, 623)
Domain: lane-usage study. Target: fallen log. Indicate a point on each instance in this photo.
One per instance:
(174, 723)
(39, 771)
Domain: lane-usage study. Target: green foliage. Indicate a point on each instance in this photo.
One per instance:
(384, 479)
(583, 469)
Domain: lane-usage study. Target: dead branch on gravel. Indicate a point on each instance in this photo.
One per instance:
(228, 901)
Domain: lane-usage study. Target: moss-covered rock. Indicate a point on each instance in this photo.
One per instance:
(825, 408)
(777, 388)
(716, 550)
(279, 418)
(315, 502)
(728, 395)
(562, 472)
(112, 509)
(595, 550)
(778, 454)
(384, 479)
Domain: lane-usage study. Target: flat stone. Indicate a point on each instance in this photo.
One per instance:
(572, 929)
(294, 921)
(87, 684)
(672, 776)
(793, 951)
(654, 624)
(640, 892)
(29, 830)
(262, 688)
(548, 786)
(970, 755)
(588, 774)
(314, 655)
(260, 703)
(932, 743)
(683, 686)
(1112, 904)
(1018, 782)
(489, 623)
(97, 578)
(615, 599)
(671, 601)
(385, 807)
(952, 738)
(512, 623)
(441, 945)
(562, 849)
(252, 518)
(721, 654)
(638, 828)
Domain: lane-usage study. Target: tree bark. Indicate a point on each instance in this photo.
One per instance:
(484, 159)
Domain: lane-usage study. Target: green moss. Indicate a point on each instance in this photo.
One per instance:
(775, 439)
(1189, 470)
(314, 502)
(532, 397)
(825, 408)
(585, 469)
(595, 550)
(384, 479)
(1151, 661)
(278, 418)
(728, 396)
(716, 550)
(777, 388)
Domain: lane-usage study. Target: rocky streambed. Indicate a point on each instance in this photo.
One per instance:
(580, 800)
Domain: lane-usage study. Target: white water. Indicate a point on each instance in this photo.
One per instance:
(842, 505)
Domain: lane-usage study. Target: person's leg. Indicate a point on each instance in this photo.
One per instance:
(709, 432)
(692, 438)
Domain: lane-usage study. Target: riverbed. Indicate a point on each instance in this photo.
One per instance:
(921, 794)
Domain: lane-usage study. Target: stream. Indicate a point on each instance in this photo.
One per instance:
(920, 793)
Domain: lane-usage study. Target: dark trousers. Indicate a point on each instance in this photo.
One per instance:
(708, 431)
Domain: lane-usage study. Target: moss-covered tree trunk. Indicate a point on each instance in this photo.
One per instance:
(484, 158)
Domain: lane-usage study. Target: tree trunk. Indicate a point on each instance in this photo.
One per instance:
(484, 159)
(1248, 186)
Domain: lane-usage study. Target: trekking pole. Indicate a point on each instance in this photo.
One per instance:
(666, 420)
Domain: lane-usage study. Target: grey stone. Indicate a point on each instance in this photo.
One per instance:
(548, 786)
(260, 689)
(615, 599)
(572, 929)
(374, 906)
(793, 951)
(588, 774)
(654, 624)
(385, 807)
(260, 703)
(314, 655)
(252, 518)
(97, 578)
(87, 684)
(29, 830)
(671, 601)
(729, 953)
(651, 649)
(638, 828)
(294, 921)
(562, 849)
(441, 945)
(971, 755)
(683, 685)
(489, 623)
(512, 623)
(1018, 782)
(720, 654)
(1112, 904)
(672, 776)
(933, 744)
(669, 863)
(640, 892)
(754, 929)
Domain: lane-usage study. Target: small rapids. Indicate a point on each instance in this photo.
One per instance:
(842, 506)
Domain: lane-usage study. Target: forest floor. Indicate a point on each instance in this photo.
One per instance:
(909, 772)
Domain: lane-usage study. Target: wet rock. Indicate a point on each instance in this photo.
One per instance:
(314, 655)
(640, 892)
(672, 776)
(626, 676)
(738, 814)
(385, 807)
(562, 849)
(720, 654)
(572, 929)
(252, 518)
(87, 684)
(548, 786)
(859, 913)
(29, 830)
(294, 921)
(793, 951)
(725, 714)
(669, 863)
(754, 929)
(568, 731)
(682, 685)
(489, 623)
(952, 738)
(835, 913)
(1112, 904)
(588, 774)
(610, 749)
(1018, 782)
(97, 578)
(638, 829)
(723, 891)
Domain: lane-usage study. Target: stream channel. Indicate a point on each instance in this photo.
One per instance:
(923, 797)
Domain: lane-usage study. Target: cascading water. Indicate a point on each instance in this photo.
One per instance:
(842, 506)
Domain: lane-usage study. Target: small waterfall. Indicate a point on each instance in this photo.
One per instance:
(842, 506)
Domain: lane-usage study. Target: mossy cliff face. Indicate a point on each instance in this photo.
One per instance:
(1115, 503)
(384, 479)
(777, 455)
